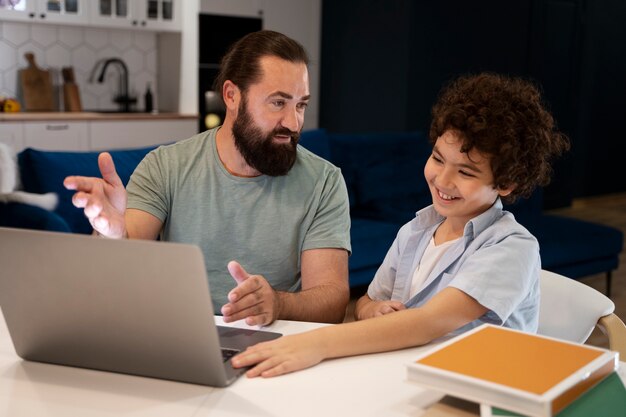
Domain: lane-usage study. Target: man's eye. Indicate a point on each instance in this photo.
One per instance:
(302, 106)
(278, 103)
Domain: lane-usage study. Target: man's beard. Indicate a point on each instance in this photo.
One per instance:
(259, 150)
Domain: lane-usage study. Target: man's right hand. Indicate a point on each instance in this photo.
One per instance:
(103, 199)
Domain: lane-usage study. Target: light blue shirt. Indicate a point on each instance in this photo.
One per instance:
(496, 262)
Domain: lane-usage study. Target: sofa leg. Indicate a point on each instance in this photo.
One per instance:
(608, 283)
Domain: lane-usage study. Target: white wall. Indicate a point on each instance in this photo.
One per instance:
(56, 46)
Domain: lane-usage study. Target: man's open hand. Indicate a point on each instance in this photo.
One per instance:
(253, 299)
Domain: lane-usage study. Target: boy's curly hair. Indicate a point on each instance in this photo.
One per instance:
(503, 118)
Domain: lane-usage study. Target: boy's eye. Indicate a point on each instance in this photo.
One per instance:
(436, 158)
(466, 174)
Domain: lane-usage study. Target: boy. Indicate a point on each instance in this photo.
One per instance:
(462, 261)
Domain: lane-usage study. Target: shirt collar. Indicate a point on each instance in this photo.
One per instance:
(428, 217)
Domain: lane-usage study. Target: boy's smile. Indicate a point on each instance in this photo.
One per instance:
(461, 184)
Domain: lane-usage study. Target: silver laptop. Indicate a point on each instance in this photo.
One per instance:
(129, 306)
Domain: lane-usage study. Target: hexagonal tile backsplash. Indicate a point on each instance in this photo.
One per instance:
(84, 49)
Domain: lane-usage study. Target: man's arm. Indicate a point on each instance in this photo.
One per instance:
(325, 290)
(324, 296)
(142, 225)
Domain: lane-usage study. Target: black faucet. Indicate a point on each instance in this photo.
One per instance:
(123, 99)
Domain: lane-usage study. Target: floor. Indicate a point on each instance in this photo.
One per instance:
(609, 210)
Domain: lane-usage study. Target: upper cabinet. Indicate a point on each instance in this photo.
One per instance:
(74, 12)
(157, 15)
(154, 15)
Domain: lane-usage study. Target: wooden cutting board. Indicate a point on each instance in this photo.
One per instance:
(36, 86)
(71, 96)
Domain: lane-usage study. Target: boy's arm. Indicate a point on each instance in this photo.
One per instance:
(445, 312)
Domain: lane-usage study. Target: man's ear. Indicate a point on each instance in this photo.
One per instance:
(231, 95)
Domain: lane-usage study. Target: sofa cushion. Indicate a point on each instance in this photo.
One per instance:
(44, 171)
(316, 141)
(383, 169)
(371, 239)
(25, 216)
(564, 241)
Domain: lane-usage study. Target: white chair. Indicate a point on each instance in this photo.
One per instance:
(570, 310)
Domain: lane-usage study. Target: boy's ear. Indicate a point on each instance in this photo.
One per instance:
(503, 192)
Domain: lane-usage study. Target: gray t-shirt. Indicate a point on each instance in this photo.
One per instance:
(264, 222)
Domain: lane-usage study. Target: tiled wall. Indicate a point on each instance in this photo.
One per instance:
(56, 46)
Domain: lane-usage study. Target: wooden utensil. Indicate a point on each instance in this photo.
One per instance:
(36, 86)
(71, 96)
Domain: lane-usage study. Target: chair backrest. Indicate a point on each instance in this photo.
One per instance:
(570, 310)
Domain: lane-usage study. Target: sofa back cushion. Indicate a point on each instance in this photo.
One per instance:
(44, 171)
(384, 172)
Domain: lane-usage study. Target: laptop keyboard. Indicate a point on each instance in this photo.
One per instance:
(228, 353)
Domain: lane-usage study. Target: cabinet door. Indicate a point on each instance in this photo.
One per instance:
(57, 136)
(12, 134)
(113, 13)
(63, 11)
(159, 14)
(137, 14)
(42, 11)
(22, 10)
(111, 135)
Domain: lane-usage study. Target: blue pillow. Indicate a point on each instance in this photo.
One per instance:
(44, 171)
(24, 216)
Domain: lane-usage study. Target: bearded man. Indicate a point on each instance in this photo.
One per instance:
(265, 211)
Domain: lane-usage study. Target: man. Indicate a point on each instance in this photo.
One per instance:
(243, 191)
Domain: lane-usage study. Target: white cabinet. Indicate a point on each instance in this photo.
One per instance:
(52, 11)
(154, 15)
(12, 134)
(57, 136)
(136, 134)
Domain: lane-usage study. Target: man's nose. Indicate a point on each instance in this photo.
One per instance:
(292, 120)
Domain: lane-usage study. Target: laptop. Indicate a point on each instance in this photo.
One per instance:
(128, 306)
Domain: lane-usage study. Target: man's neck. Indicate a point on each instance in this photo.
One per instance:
(229, 155)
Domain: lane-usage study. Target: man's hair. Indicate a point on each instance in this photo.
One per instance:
(503, 118)
(241, 64)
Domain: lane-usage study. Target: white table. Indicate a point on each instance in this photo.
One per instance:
(369, 385)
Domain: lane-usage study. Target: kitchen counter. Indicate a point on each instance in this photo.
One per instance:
(84, 116)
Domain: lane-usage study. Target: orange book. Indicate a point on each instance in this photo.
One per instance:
(522, 372)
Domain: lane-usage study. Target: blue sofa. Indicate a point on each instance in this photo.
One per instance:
(386, 186)
(384, 177)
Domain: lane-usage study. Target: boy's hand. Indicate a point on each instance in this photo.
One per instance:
(372, 308)
(283, 355)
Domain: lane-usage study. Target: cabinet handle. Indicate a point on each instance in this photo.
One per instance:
(57, 127)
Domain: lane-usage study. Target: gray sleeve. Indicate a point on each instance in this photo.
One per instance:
(331, 225)
(147, 188)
